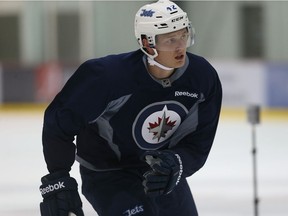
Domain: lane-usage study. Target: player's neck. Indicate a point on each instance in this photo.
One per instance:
(159, 73)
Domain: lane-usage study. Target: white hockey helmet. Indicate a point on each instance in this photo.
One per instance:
(161, 17)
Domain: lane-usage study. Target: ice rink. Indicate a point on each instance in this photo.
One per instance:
(223, 187)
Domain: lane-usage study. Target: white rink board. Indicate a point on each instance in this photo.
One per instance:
(243, 83)
(223, 187)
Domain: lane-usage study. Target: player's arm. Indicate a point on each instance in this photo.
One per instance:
(195, 147)
(189, 154)
(64, 118)
(82, 99)
(58, 189)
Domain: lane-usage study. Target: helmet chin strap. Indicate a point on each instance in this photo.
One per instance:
(152, 62)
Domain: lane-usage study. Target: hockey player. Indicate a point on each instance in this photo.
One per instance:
(144, 121)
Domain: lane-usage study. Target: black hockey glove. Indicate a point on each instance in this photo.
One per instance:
(60, 195)
(165, 174)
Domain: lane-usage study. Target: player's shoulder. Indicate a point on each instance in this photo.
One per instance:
(202, 71)
(113, 62)
(198, 60)
(199, 63)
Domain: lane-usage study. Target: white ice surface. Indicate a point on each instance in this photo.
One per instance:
(222, 187)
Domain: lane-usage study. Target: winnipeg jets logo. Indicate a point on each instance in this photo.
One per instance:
(162, 126)
(156, 123)
(147, 13)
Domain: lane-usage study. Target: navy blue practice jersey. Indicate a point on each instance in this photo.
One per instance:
(117, 111)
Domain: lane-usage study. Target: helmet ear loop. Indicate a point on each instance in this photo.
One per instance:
(144, 49)
(148, 54)
(191, 31)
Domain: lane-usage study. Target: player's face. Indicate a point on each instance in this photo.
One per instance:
(171, 48)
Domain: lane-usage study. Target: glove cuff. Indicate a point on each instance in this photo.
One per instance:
(52, 187)
(54, 176)
(178, 160)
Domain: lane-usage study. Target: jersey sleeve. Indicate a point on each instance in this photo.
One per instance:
(195, 147)
(70, 111)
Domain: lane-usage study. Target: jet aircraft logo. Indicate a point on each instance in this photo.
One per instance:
(156, 123)
(161, 127)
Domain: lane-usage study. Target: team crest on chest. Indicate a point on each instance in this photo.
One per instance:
(156, 123)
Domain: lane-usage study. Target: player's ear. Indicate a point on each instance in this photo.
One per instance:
(147, 47)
